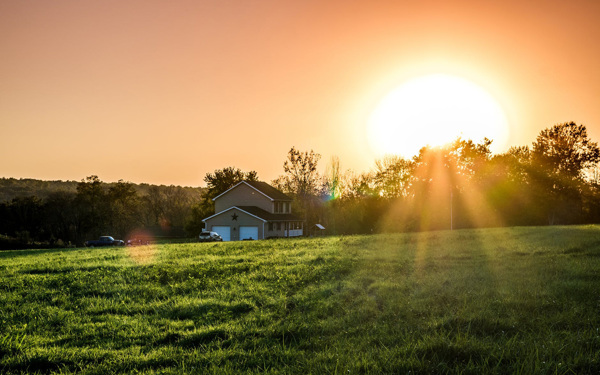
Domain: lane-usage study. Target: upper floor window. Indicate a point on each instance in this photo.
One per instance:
(282, 207)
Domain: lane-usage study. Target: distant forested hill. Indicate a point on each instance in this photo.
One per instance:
(36, 213)
(11, 188)
(26, 187)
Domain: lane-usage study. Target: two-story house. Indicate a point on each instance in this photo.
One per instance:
(253, 210)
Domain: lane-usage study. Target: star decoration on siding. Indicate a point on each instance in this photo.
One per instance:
(234, 217)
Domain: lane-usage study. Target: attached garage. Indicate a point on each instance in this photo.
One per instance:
(223, 230)
(248, 233)
(250, 222)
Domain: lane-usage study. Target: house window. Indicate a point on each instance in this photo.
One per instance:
(279, 226)
(270, 227)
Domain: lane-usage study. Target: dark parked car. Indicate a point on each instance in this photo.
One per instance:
(207, 236)
(104, 241)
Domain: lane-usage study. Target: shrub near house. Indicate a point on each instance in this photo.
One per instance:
(253, 210)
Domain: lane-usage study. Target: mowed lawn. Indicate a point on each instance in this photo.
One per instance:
(506, 300)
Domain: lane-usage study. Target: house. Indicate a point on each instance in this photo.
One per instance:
(253, 210)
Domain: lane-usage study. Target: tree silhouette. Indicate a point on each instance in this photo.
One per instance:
(559, 157)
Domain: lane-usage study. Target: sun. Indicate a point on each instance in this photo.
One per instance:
(434, 110)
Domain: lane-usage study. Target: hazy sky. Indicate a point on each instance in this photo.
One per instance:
(166, 91)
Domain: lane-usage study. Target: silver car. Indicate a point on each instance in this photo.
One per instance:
(208, 236)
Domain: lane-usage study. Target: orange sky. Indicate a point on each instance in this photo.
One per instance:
(164, 92)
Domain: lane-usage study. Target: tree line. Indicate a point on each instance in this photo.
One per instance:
(556, 180)
(462, 185)
(94, 208)
(459, 185)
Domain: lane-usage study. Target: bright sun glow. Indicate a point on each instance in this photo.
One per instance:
(434, 110)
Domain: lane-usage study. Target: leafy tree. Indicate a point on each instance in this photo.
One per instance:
(301, 180)
(393, 176)
(194, 224)
(124, 207)
(155, 204)
(222, 180)
(565, 151)
(92, 206)
(301, 177)
(505, 181)
(61, 216)
(559, 157)
(470, 157)
(25, 219)
(177, 208)
(445, 188)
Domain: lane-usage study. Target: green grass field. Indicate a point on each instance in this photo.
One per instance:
(507, 300)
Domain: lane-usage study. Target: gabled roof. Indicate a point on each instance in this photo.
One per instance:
(229, 209)
(263, 188)
(259, 213)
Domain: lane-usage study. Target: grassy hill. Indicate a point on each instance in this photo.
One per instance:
(508, 300)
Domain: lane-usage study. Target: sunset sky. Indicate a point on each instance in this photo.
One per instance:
(165, 91)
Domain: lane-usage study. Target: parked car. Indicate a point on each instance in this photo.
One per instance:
(208, 236)
(104, 241)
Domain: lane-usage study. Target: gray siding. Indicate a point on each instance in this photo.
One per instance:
(243, 195)
(242, 219)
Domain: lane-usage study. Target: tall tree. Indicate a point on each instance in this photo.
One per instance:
(507, 184)
(565, 151)
(61, 216)
(223, 179)
(93, 207)
(124, 207)
(301, 177)
(393, 175)
(302, 181)
(154, 203)
(559, 157)
(445, 188)
(177, 208)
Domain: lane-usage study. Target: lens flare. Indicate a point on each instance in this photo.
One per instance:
(141, 247)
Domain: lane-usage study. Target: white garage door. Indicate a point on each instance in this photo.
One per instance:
(224, 231)
(247, 233)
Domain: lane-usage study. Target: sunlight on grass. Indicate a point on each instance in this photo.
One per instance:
(518, 300)
(142, 254)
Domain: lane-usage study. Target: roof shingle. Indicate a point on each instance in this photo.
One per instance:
(269, 190)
